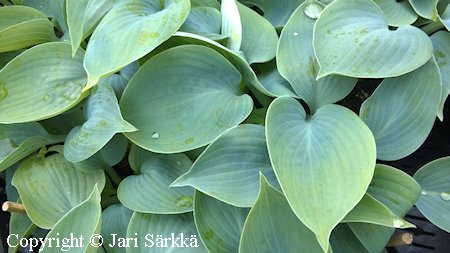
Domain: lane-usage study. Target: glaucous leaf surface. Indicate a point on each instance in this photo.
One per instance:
(271, 226)
(441, 47)
(146, 23)
(82, 16)
(20, 225)
(445, 17)
(149, 192)
(204, 21)
(29, 93)
(22, 26)
(84, 220)
(103, 121)
(206, 3)
(40, 5)
(352, 38)
(229, 168)
(297, 63)
(343, 240)
(49, 187)
(370, 210)
(276, 12)
(231, 24)
(397, 12)
(426, 9)
(58, 11)
(400, 114)
(271, 79)
(219, 225)
(115, 220)
(434, 201)
(166, 225)
(310, 156)
(179, 106)
(17, 141)
(259, 37)
(396, 190)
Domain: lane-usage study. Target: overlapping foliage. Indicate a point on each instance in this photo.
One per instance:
(217, 119)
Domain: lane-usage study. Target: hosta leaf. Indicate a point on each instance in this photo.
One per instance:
(370, 210)
(343, 240)
(41, 5)
(181, 227)
(400, 114)
(218, 224)
(396, 190)
(441, 47)
(271, 226)
(206, 3)
(22, 26)
(434, 202)
(426, 9)
(271, 79)
(8, 56)
(58, 11)
(276, 11)
(297, 63)
(63, 123)
(231, 24)
(150, 192)
(259, 37)
(204, 21)
(397, 12)
(229, 167)
(29, 93)
(179, 106)
(310, 157)
(130, 30)
(115, 220)
(114, 151)
(119, 81)
(84, 220)
(352, 38)
(445, 17)
(82, 16)
(50, 187)
(103, 122)
(17, 141)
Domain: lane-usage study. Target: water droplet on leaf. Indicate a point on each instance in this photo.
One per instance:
(445, 196)
(295, 34)
(155, 135)
(313, 10)
(398, 223)
(424, 193)
(184, 201)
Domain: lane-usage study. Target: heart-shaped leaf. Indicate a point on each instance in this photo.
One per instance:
(49, 187)
(229, 167)
(115, 220)
(426, 9)
(400, 115)
(179, 106)
(83, 221)
(297, 63)
(22, 26)
(441, 47)
(17, 141)
(310, 156)
(370, 210)
(397, 12)
(271, 226)
(150, 192)
(218, 224)
(29, 93)
(82, 16)
(259, 37)
(352, 38)
(103, 122)
(276, 11)
(204, 21)
(147, 23)
(152, 229)
(434, 202)
(231, 24)
(271, 79)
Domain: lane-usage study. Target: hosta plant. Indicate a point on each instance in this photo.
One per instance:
(220, 126)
